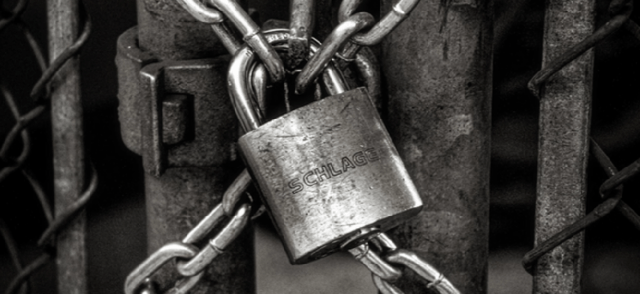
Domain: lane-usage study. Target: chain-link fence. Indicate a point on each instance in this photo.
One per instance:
(553, 167)
(16, 146)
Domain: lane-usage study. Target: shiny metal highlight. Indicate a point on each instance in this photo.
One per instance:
(217, 245)
(301, 23)
(155, 261)
(238, 84)
(376, 264)
(338, 37)
(252, 36)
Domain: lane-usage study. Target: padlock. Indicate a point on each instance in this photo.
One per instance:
(328, 171)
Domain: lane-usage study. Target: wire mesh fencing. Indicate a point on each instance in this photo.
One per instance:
(17, 145)
(611, 191)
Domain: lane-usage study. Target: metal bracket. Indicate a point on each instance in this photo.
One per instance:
(175, 113)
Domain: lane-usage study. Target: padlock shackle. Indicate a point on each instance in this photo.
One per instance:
(239, 75)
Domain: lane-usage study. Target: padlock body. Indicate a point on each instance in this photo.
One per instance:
(326, 171)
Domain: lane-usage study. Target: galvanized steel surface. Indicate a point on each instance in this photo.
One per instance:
(565, 115)
(68, 146)
(63, 77)
(439, 116)
(327, 170)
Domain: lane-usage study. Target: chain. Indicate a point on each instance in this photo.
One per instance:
(216, 12)
(383, 265)
(338, 37)
(191, 261)
(347, 36)
(382, 28)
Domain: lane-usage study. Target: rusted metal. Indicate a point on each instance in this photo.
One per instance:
(437, 67)
(302, 21)
(175, 112)
(68, 146)
(563, 146)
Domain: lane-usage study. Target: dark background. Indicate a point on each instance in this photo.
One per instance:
(116, 220)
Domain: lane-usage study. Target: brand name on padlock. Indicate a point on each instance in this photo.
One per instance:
(327, 171)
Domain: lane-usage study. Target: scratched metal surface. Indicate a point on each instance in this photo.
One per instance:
(116, 221)
(327, 170)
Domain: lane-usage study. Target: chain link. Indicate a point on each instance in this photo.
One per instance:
(191, 261)
(344, 37)
(383, 271)
(301, 24)
(338, 37)
(382, 28)
(217, 245)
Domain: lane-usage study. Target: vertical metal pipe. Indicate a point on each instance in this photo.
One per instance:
(563, 145)
(181, 196)
(68, 146)
(438, 71)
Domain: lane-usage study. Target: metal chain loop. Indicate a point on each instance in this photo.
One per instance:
(192, 262)
(338, 37)
(155, 261)
(217, 245)
(301, 23)
(248, 28)
(391, 255)
(382, 28)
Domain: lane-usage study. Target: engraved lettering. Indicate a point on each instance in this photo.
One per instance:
(322, 172)
(346, 164)
(332, 171)
(372, 154)
(359, 159)
(327, 171)
(296, 185)
(306, 180)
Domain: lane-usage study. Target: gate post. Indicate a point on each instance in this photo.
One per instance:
(176, 113)
(563, 145)
(68, 147)
(438, 71)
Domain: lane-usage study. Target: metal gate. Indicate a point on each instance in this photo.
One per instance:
(441, 70)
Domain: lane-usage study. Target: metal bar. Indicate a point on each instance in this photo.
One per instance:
(438, 72)
(184, 194)
(68, 146)
(563, 145)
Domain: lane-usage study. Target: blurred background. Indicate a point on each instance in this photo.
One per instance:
(116, 215)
